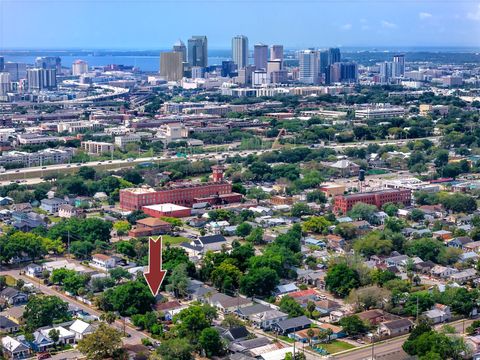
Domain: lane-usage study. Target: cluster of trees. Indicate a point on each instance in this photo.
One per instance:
(14, 244)
(131, 298)
(42, 310)
(426, 343)
(455, 202)
(192, 331)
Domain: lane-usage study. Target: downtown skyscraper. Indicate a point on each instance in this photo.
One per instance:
(260, 56)
(240, 51)
(198, 51)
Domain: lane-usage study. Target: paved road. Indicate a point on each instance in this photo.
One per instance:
(394, 346)
(135, 336)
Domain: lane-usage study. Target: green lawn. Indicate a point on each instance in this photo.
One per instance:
(174, 240)
(336, 346)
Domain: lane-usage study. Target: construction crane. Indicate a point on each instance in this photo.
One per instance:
(276, 143)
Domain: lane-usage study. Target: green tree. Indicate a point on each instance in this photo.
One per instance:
(291, 307)
(341, 279)
(300, 209)
(260, 281)
(316, 224)
(353, 325)
(190, 322)
(243, 230)
(256, 236)
(175, 349)
(122, 227)
(178, 281)
(131, 298)
(210, 342)
(361, 211)
(43, 311)
(103, 343)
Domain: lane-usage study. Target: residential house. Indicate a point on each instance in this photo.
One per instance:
(13, 297)
(14, 349)
(81, 329)
(337, 331)
(373, 317)
(438, 314)
(442, 271)
(8, 326)
(203, 244)
(216, 227)
(395, 327)
(288, 326)
(52, 205)
(325, 307)
(285, 289)
(33, 270)
(246, 345)
(462, 277)
(266, 319)
(247, 311)
(469, 256)
(472, 246)
(442, 234)
(236, 334)
(261, 210)
(228, 304)
(459, 242)
(67, 211)
(102, 261)
(15, 314)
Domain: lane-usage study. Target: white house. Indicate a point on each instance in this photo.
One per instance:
(102, 261)
(13, 348)
(81, 329)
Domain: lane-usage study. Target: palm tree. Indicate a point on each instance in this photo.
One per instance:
(310, 334)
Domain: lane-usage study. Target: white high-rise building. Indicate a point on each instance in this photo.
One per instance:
(309, 67)
(79, 67)
(4, 83)
(398, 66)
(240, 51)
(41, 79)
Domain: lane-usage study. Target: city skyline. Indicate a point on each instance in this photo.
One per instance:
(296, 25)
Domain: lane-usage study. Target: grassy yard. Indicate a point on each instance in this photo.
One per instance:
(336, 346)
(10, 280)
(174, 240)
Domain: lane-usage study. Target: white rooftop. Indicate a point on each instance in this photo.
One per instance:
(165, 207)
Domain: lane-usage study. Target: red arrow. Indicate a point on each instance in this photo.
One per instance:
(155, 274)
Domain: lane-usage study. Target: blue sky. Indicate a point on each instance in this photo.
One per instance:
(156, 24)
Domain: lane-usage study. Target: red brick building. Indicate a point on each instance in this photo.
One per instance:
(150, 226)
(344, 203)
(184, 194)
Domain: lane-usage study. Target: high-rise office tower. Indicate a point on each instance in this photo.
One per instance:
(344, 73)
(79, 67)
(398, 67)
(260, 56)
(41, 79)
(17, 71)
(309, 67)
(49, 62)
(2, 63)
(334, 56)
(385, 72)
(4, 83)
(228, 68)
(276, 52)
(180, 47)
(198, 51)
(323, 67)
(275, 73)
(240, 51)
(171, 66)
